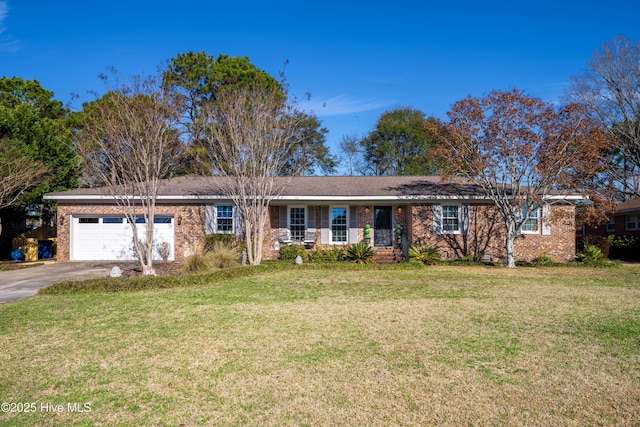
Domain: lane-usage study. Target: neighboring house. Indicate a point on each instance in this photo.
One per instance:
(318, 212)
(625, 221)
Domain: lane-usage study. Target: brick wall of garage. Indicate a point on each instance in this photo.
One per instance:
(189, 220)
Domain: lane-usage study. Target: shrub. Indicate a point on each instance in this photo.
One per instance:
(592, 256)
(589, 240)
(164, 250)
(361, 253)
(195, 263)
(223, 255)
(333, 254)
(544, 259)
(427, 255)
(210, 240)
(624, 247)
(289, 253)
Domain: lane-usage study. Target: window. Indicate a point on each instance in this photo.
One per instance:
(611, 225)
(532, 225)
(224, 219)
(632, 222)
(139, 220)
(162, 220)
(450, 218)
(339, 225)
(88, 220)
(112, 220)
(297, 223)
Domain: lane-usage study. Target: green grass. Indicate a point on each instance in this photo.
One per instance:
(328, 345)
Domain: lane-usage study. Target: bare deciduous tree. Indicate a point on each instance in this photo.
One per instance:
(520, 150)
(128, 140)
(610, 89)
(18, 173)
(350, 147)
(251, 129)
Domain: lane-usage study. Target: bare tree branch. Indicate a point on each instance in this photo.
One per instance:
(610, 89)
(129, 140)
(17, 173)
(519, 149)
(250, 131)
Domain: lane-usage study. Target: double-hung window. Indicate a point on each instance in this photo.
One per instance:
(450, 218)
(224, 219)
(632, 222)
(339, 225)
(610, 227)
(531, 225)
(297, 223)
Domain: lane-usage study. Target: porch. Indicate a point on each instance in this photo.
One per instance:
(384, 227)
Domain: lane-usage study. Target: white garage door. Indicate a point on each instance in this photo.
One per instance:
(111, 238)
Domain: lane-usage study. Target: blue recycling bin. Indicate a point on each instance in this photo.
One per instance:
(45, 249)
(17, 255)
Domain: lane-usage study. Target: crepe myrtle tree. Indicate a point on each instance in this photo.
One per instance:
(251, 130)
(520, 150)
(129, 142)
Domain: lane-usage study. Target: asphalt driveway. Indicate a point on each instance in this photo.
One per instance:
(16, 284)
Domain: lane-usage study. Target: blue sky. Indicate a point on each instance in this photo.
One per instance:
(357, 59)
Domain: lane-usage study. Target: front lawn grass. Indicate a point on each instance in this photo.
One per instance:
(444, 345)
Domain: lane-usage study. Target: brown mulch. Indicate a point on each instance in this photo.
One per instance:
(168, 268)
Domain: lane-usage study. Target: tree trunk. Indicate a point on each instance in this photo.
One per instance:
(510, 238)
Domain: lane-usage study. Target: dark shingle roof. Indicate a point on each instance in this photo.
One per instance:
(321, 186)
(309, 187)
(628, 206)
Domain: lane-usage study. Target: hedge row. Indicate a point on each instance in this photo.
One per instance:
(624, 247)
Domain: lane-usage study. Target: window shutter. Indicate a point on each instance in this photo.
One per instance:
(353, 224)
(311, 219)
(282, 218)
(464, 217)
(324, 225)
(237, 221)
(437, 219)
(210, 219)
(545, 221)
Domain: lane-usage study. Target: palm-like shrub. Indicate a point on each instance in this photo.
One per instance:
(591, 255)
(426, 254)
(361, 253)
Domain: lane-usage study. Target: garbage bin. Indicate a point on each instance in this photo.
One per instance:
(17, 255)
(45, 249)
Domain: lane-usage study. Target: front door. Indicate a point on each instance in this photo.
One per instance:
(382, 229)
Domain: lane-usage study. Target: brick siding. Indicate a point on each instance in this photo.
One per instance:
(486, 234)
(189, 220)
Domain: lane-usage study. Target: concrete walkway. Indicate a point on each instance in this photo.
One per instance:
(16, 284)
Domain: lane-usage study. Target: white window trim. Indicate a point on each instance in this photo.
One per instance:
(233, 218)
(346, 208)
(634, 227)
(538, 218)
(306, 218)
(459, 229)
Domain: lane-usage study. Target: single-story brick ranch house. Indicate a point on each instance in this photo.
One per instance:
(453, 215)
(624, 221)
